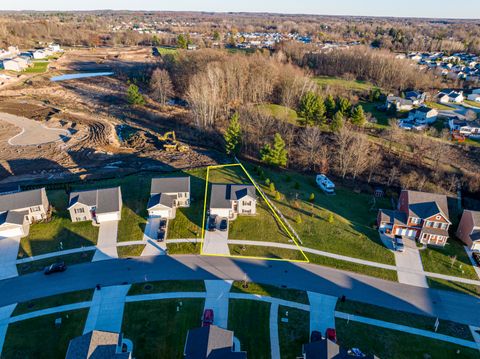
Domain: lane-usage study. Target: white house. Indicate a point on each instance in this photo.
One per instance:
(474, 97)
(476, 91)
(230, 200)
(39, 54)
(464, 127)
(16, 64)
(446, 96)
(98, 205)
(423, 115)
(400, 104)
(167, 194)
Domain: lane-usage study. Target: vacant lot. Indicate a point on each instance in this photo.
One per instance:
(339, 83)
(281, 113)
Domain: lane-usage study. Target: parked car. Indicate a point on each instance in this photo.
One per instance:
(163, 224)
(316, 336)
(223, 225)
(476, 257)
(55, 267)
(331, 334)
(160, 235)
(207, 319)
(398, 243)
(211, 224)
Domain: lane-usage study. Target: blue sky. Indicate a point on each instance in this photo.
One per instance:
(411, 8)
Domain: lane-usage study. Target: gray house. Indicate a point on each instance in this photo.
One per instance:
(167, 194)
(98, 205)
(326, 349)
(229, 200)
(19, 210)
(211, 342)
(97, 345)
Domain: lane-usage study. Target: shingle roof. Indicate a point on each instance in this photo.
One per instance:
(170, 185)
(161, 198)
(13, 217)
(326, 349)
(106, 200)
(222, 194)
(475, 217)
(96, 345)
(424, 205)
(211, 342)
(22, 200)
(392, 216)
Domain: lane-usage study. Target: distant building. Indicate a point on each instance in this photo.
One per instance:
(469, 229)
(423, 115)
(398, 103)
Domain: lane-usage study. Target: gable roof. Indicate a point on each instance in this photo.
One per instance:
(424, 205)
(106, 200)
(170, 185)
(20, 200)
(222, 195)
(211, 342)
(393, 217)
(161, 199)
(475, 217)
(96, 345)
(13, 217)
(326, 349)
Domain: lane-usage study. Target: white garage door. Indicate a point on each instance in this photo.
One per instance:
(401, 231)
(411, 233)
(16, 232)
(105, 217)
(165, 213)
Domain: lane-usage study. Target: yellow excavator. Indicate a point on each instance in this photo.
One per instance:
(170, 143)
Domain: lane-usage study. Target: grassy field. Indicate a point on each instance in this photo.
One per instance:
(183, 248)
(464, 288)
(381, 116)
(130, 251)
(69, 259)
(396, 345)
(294, 333)
(157, 329)
(342, 224)
(53, 301)
(404, 318)
(60, 233)
(39, 338)
(438, 106)
(265, 252)
(353, 85)
(165, 286)
(293, 295)
(472, 103)
(281, 113)
(439, 260)
(249, 321)
(38, 67)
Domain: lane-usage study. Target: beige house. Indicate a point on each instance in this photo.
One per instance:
(98, 344)
(19, 210)
(98, 205)
(167, 194)
(230, 200)
(469, 229)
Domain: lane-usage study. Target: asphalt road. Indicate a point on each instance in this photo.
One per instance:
(446, 305)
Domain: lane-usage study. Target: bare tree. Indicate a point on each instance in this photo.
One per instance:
(374, 160)
(311, 140)
(344, 155)
(360, 150)
(161, 86)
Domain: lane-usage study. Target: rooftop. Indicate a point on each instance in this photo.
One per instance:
(22, 200)
(170, 185)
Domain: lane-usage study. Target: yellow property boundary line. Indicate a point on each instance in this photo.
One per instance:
(306, 260)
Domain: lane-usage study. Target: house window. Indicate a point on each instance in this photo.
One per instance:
(245, 203)
(80, 210)
(415, 220)
(35, 209)
(429, 224)
(180, 195)
(445, 226)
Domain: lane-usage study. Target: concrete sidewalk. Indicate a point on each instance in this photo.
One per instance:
(274, 340)
(322, 311)
(217, 299)
(5, 313)
(8, 257)
(107, 241)
(476, 335)
(106, 311)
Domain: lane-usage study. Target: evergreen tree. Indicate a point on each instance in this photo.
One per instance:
(344, 106)
(216, 35)
(311, 109)
(134, 96)
(337, 122)
(275, 155)
(233, 136)
(330, 106)
(183, 41)
(358, 116)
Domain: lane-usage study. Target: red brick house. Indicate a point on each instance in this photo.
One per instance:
(421, 216)
(469, 229)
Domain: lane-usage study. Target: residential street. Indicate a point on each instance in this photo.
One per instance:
(446, 305)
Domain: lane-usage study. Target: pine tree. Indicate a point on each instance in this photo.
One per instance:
(330, 106)
(233, 136)
(183, 41)
(275, 155)
(337, 122)
(311, 109)
(344, 106)
(358, 116)
(134, 96)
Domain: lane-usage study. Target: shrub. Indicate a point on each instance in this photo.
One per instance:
(272, 187)
(312, 197)
(267, 181)
(278, 196)
(298, 219)
(331, 218)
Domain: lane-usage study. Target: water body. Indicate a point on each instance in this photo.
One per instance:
(81, 75)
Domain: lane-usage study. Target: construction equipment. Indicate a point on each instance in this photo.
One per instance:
(170, 143)
(457, 136)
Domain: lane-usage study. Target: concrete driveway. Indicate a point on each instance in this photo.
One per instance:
(8, 256)
(107, 241)
(153, 248)
(32, 132)
(410, 259)
(216, 242)
(217, 298)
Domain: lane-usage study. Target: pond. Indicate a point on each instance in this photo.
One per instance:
(81, 75)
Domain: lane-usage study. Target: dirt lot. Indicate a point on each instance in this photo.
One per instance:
(93, 110)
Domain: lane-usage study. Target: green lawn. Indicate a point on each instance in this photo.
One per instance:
(130, 251)
(438, 260)
(382, 117)
(294, 333)
(472, 103)
(265, 252)
(249, 321)
(353, 85)
(165, 286)
(438, 106)
(167, 50)
(188, 221)
(464, 288)
(281, 113)
(351, 232)
(39, 338)
(157, 329)
(183, 248)
(404, 318)
(60, 233)
(386, 343)
(53, 301)
(293, 295)
(38, 67)
(69, 259)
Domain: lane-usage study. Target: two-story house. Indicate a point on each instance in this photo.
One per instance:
(230, 200)
(167, 194)
(420, 215)
(468, 230)
(19, 210)
(98, 205)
